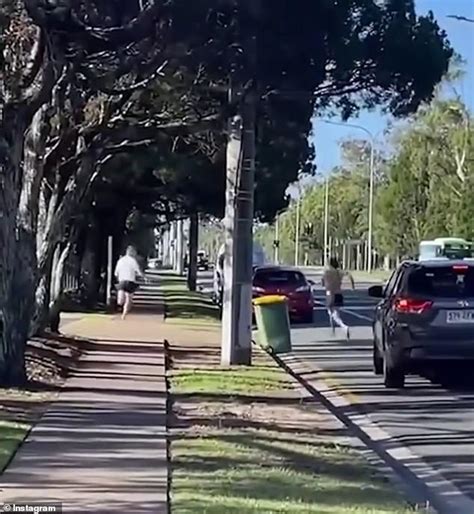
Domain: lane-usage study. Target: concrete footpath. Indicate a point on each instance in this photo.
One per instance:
(101, 448)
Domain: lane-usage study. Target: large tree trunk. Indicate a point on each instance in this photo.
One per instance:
(11, 144)
(56, 297)
(18, 295)
(193, 251)
(89, 279)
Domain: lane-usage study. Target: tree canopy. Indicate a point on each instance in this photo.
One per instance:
(106, 103)
(423, 188)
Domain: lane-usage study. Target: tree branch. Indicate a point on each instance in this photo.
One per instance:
(35, 60)
(460, 18)
(138, 85)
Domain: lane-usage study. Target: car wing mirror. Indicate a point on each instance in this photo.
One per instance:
(376, 292)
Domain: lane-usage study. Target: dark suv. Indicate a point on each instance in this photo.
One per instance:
(425, 318)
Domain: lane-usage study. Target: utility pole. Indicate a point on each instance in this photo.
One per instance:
(110, 270)
(276, 243)
(172, 251)
(241, 152)
(166, 247)
(180, 247)
(193, 251)
(297, 230)
(370, 236)
(370, 221)
(230, 300)
(326, 223)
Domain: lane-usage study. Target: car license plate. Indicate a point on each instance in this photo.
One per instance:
(460, 316)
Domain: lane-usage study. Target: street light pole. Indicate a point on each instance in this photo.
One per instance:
(241, 158)
(326, 223)
(297, 235)
(370, 236)
(276, 243)
(371, 185)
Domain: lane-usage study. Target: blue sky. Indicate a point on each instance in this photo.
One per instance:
(461, 35)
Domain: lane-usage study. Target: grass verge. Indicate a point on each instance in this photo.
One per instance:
(187, 307)
(11, 436)
(374, 276)
(244, 442)
(252, 380)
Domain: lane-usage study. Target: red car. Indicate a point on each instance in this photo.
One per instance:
(289, 282)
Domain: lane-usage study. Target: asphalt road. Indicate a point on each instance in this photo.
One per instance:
(435, 424)
(427, 428)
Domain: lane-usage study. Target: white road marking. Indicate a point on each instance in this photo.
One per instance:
(349, 311)
(446, 497)
(357, 315)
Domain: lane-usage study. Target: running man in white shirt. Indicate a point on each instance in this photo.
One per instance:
(127, 273)
(332, 282)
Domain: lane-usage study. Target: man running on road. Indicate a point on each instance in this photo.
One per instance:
(127, 273)
(332, 282)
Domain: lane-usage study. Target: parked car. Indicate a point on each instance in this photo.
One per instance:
(289, 282)
(425, 319)
(202, 261)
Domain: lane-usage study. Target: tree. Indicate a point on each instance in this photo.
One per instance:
(85, 81)
(429, 189)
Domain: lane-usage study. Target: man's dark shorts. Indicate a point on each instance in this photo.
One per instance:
(127, 287)
(336, 301)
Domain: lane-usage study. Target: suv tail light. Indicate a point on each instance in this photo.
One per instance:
(412, 306)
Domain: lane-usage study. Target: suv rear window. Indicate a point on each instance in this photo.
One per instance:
(278, 277)
(442, 282)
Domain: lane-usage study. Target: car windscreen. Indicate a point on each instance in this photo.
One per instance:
(442, 282)
(279, 278)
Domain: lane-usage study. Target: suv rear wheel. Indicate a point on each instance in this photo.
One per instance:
(393, 374)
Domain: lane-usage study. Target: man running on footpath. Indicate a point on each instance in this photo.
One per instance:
(332, 282)
(127, 273)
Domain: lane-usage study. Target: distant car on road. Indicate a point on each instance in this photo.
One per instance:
(154, 263)
(258, 259)
(425, 319)
(202, 261)
(289, 282)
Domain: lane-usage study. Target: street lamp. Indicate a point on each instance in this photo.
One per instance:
(371, 184)
(276, 240)
(326, 222)
(298, 224)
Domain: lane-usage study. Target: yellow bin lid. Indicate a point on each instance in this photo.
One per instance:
(270, 299)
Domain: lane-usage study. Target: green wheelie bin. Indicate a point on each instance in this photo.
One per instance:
(273, 323)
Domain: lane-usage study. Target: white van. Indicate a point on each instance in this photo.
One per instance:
(445, 248)
(259, 259)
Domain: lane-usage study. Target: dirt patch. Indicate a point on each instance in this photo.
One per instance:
(285, 408)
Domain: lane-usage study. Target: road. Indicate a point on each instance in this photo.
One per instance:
(431, 427)
(427, 429)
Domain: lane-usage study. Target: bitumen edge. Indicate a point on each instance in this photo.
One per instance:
(416, 492)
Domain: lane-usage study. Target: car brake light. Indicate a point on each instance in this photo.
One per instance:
(460, 267)
(412, 306)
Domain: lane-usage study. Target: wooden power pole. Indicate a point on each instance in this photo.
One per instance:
(241, 152)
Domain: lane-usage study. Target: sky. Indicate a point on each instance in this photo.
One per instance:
(327, 138)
